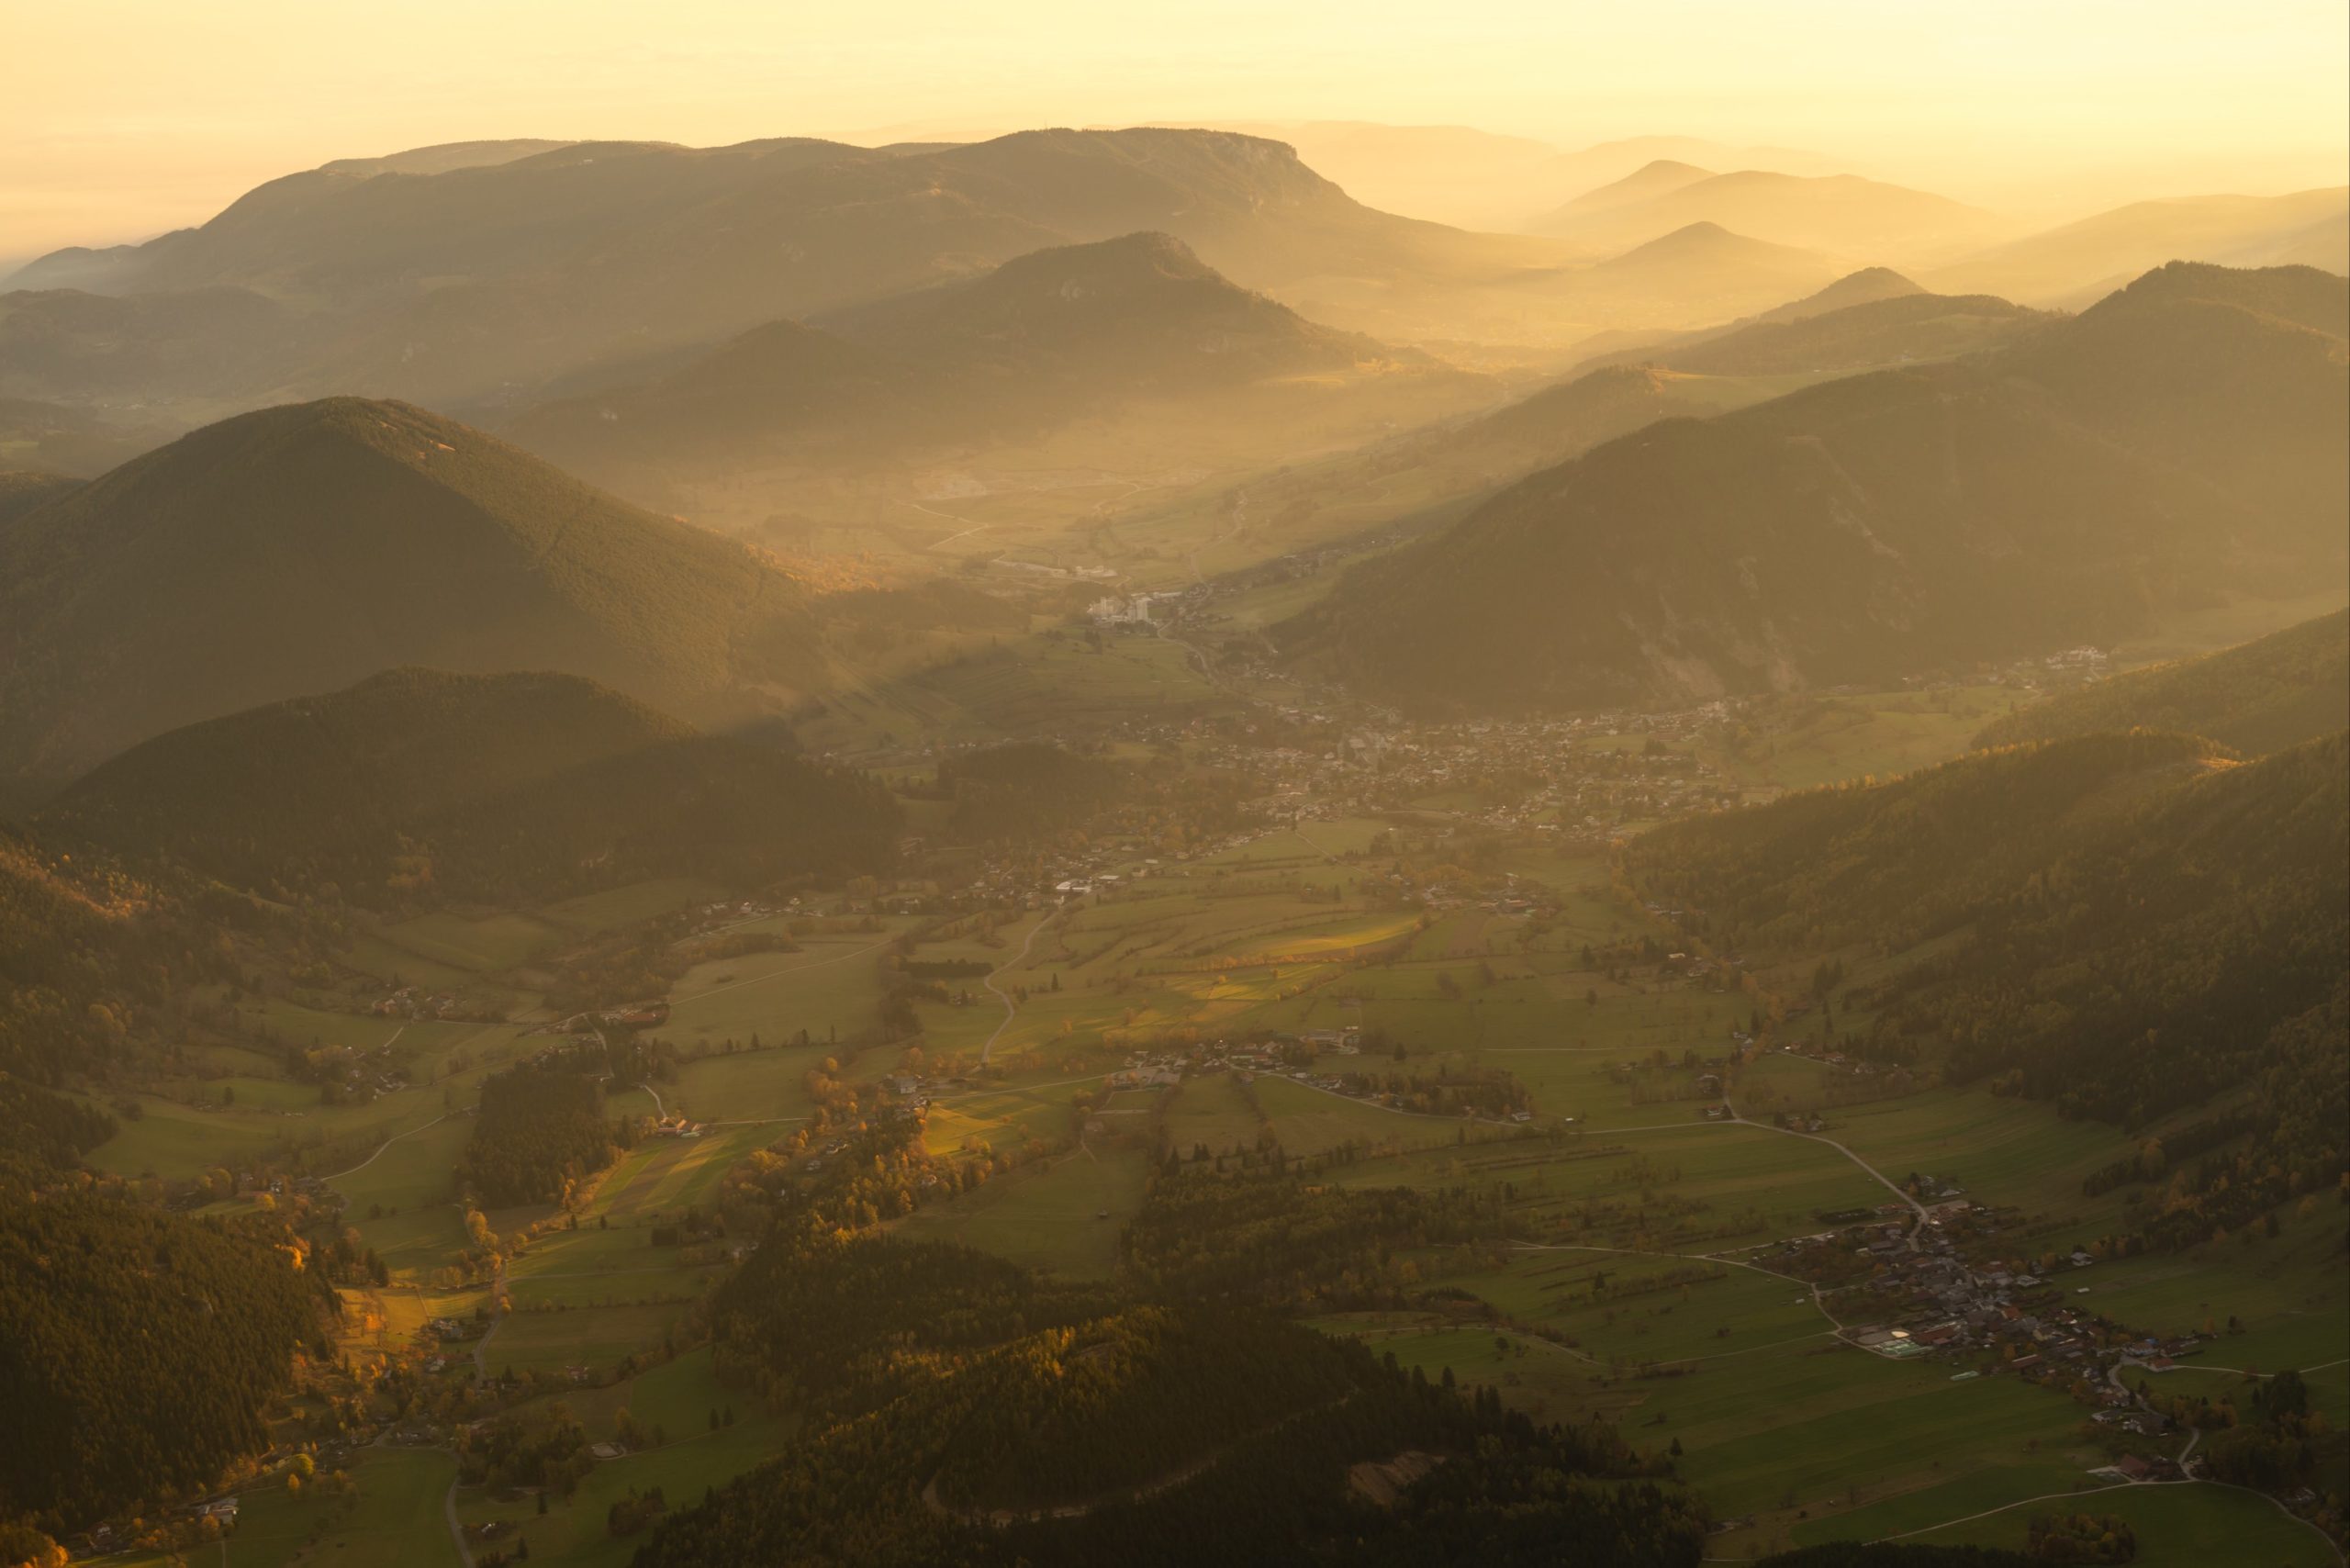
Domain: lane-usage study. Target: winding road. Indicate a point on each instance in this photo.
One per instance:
(1010, 1011)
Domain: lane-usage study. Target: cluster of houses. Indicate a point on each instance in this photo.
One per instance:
(410, 1004)
(1935, 1302)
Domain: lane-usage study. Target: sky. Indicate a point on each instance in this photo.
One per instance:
(120, 118)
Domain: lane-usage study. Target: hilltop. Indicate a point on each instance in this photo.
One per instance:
(1647, 183)
(314, 544)
(1862, 287)
(2286, 687)
(418, 782)
(2176, 438)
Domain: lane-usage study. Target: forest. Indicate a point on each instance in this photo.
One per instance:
(138, 1351)
(539, 1131)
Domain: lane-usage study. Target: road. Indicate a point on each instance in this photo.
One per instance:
(385, 1145)
(1890, 1185)
(1010, 1011)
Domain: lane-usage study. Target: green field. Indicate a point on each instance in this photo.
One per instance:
(2177, 1527)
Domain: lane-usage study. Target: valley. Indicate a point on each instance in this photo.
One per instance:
(1038, 848)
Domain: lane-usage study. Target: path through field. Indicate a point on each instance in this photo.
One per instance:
(1010, 1012)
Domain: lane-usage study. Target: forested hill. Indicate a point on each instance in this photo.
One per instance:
(2287, 687)
(307, 546)
(85, 954)
(138, 1353)
(2192, 432)
(419, 783)
(2132, 926)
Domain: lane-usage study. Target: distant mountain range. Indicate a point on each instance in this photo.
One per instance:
(2277, 691)
(1059, 334)
(1840, 214)
(464, 283)
(308, 546)
(416, 783)
(2187, 435)
(2073, 265)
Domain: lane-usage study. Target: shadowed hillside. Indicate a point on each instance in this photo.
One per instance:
(2178, 438)
(416, 783)
(312, 546)
(2133, 917)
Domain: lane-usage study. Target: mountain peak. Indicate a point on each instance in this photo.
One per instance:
(1864, 287)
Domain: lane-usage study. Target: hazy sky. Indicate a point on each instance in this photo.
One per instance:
(122, 117)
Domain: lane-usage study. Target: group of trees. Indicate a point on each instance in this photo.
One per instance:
(1027, 791)
(1271, 1238)
(540, 1130)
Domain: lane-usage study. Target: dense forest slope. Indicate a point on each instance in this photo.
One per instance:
(418, 783)
(2128, 924)
(958, 1408)
(137, 1352)
(305, 548)
(2187, 434)
(87, 954)
(2286, 687)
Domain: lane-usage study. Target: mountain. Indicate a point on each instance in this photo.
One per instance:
(2122, 922)
(476, 283)
(1700, 273)
(1865, 286)
(1570, 175)
(1062, 333)
(1644, 184)
(2282, 689)
(2063, 265)
(1840, 214)
(518, 785)
(2177, 440)
(444, 157)
(1575, 416)
(1862, 288)
(312, 546)
(1895, 329)
(1447, 174)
